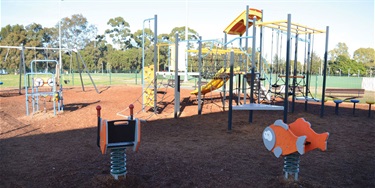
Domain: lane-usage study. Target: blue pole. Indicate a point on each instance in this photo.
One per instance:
(253, 69)
(200, 75)
(155, 62)
(230, 93)
(324, 72)
(176, 92)
(286, 102)
(143, 61)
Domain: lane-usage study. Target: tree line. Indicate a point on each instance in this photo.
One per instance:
(119, 49)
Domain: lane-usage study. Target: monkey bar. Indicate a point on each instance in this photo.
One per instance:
(295, 28)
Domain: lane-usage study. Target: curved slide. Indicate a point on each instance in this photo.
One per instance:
(217, 82)
(210, 86)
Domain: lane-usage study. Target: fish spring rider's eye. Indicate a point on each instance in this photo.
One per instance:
(267, 135)
(269, 138)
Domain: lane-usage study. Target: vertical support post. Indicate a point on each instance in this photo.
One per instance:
(324, 73)
(286, 102)
(200, 75)
(22, 65)
(27, 77)
(187, 44)
(230, 93)
(143, 61)
(260, 58)
(253, 68)
(98, 108)
(225, 66)
(307, 91)
(155, 62)
(295, 73)
(176, 92)
(246, 48)
(143, 65)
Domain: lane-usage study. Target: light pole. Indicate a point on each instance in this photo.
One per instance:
(60, 61)
(348, 72)
(340, 72)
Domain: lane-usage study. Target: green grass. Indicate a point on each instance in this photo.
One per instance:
(12, 81)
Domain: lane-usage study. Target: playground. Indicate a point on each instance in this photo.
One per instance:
(44, 150)
(246, 121)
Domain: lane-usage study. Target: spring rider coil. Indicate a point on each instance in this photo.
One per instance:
(291, 141)
(117, 135)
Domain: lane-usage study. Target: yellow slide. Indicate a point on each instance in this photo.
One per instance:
(215, 83)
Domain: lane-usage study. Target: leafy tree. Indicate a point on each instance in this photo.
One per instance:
(149, 35)
(364, 55)
(316, 63)
(90, 56)
(341, 49)
(11, 36)
(192, 34)
(120, 32)
(76, 32)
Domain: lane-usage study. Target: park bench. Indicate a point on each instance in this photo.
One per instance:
(340, 95)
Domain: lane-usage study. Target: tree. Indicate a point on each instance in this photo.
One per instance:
(192, 34)
(341, 49)
(11, 36)
(120, 32)
(364, 55)
(149, 35)
(90, 56)
(76, 32)
(316, 63)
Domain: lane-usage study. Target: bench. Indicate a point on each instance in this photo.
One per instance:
(340, 95)
(344, 93)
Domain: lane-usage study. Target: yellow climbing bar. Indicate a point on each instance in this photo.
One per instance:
(295, 27)
(217, 51)
(238, 26)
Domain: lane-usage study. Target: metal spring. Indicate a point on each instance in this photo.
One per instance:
(118, 162)
(291, 165)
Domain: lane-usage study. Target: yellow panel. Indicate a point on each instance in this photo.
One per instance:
(149, 74)
(148, 97)
(238, 26)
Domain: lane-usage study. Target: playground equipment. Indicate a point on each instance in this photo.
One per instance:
(35, 86)
(220, 78)
(250, 18)
(117, 135)
(240, 25)
(155, 19)
(291, 141)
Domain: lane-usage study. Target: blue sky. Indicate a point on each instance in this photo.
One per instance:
(351, 21)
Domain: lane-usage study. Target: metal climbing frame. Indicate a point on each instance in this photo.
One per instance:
(36, 87)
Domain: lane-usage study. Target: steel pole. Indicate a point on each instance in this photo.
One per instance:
(200, 75)
(176, 92)
(286, 102)
(307, 91)
(253, 68)
(295, 73)
(324, 73)
(155, 62)
(230, 93)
